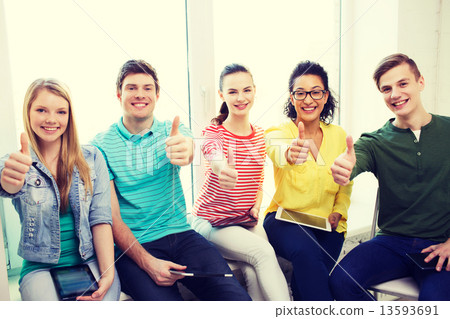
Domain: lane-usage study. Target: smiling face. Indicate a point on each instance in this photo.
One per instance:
(49, 116)
(138, 99)
(308, 110)
(238, 92)
(401, 90)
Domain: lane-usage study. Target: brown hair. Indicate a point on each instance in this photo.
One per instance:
(227, 70)
(136, 67)
(70, 154)
(391, 62)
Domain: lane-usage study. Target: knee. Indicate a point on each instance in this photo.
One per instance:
(305, 255)
(262, 253)
(336, 278)
(338, 281)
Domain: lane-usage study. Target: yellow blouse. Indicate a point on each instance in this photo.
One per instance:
(308, 187)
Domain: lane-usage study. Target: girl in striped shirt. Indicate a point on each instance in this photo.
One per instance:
(227, 208)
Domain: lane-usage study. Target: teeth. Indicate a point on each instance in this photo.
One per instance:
(50, 128)
(309, 109)
(139, 105)
(399, 103)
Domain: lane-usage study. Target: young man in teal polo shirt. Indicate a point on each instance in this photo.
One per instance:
(150, 229)
(410, 156)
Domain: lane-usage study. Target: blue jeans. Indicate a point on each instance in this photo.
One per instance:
(38, 285)
(186, 248)
(381, 259)
(312, 252)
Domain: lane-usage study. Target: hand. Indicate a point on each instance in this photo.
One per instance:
(297, 153)
(344, 163)
(254, 213)
(104, 284)
(441, 250)
(159, 271)
(16, 167)
(228, 175)
(179, 148)
(334, 219)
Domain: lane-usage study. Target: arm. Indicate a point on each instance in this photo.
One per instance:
(341, 205)
(254, 211)
(104, 249)
(157, 269)
(342, 197)
(276, 147)
(440, 250)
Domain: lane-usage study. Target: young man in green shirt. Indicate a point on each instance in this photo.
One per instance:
(410, 156)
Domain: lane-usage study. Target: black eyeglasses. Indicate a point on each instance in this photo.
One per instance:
(315, 95)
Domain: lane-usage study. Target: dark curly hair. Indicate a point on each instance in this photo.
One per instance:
(313, 68)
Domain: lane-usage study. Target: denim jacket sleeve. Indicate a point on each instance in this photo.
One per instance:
(100, 207)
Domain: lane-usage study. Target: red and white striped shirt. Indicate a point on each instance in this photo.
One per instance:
(231, 206)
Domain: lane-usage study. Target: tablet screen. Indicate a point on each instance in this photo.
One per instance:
(303, 219)
(419, 260)
(71, 282)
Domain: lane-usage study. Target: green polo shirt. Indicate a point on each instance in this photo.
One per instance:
(413, 177)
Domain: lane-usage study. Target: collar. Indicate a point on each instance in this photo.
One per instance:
(390, 125)
(136, 137)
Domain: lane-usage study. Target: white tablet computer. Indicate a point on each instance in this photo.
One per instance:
(303, 219)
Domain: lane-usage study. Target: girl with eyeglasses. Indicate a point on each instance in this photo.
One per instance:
(304, 183)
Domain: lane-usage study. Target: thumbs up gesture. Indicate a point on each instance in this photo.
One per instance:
(179, 148)
(297, 153)
(344, 163)
(228, 175)
(16, 167)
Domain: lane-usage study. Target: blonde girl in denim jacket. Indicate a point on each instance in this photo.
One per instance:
(62, 194)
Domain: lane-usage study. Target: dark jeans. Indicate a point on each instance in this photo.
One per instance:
(381, 259)
(312, 252)
(189, 249)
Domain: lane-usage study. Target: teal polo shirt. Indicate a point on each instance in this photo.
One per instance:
(148, 186)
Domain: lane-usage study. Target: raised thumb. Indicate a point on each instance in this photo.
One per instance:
(301, 130)
(350, 148)
(175, 124)
(231, 161)
(24, 144)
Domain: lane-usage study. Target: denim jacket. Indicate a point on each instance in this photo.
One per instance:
(38, 205)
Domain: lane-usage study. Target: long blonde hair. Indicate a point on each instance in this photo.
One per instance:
(70, 154)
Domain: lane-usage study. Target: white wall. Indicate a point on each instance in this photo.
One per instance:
(424, 35)
(371, 31)
(443, 74)
(200, 34)
(8, 133)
